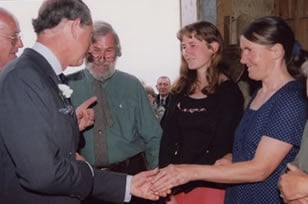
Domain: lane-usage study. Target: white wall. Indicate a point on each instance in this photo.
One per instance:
(147, 30)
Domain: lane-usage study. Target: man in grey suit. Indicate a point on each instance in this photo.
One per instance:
(39, 130)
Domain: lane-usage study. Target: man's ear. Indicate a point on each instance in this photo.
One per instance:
(213, 46)
(75, 28)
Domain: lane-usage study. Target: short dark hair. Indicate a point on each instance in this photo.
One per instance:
(52, 12)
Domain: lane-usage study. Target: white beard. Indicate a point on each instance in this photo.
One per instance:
(107, 70)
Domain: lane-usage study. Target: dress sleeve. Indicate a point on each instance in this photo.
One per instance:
(287, 118)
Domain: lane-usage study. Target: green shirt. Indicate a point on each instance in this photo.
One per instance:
(134, 126)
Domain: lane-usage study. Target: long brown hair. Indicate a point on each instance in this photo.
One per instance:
(187, 81)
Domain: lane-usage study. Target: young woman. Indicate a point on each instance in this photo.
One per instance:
(202, 113)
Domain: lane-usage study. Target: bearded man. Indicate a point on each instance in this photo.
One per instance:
(126, 134)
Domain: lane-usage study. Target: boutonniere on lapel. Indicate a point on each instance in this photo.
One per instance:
(65, 95)
(66, 90)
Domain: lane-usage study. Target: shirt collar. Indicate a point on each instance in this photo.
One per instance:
(49, 56)
(163, 97)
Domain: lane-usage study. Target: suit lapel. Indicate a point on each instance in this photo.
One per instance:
(45, 71)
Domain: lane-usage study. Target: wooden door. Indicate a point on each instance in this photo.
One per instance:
(295, 12)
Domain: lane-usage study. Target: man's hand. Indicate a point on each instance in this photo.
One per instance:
(299, 201)
(85, 115)
(141, 185)
(79, 157)
(293, 185)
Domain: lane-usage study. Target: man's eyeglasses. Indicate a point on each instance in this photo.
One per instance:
(14, 38)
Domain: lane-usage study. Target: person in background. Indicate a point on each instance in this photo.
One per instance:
(205, 107)
(270, 131)
(158, 110)
(163, 86)
(293, 184)
(126, 134)
(39, 130)
(10, 40)
(151, 93)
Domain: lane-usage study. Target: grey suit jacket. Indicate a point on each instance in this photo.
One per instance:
(38, 140)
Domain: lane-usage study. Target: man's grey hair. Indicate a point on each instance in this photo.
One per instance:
(52, 12)
(102, 28)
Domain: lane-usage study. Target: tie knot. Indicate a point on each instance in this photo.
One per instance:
(162, 101)
(63, 78)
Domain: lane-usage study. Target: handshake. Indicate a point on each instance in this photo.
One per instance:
(157, 183)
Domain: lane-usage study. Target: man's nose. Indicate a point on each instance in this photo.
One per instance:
(101, 58)
(19, 43)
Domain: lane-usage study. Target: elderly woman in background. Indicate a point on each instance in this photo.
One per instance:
(158, 110)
